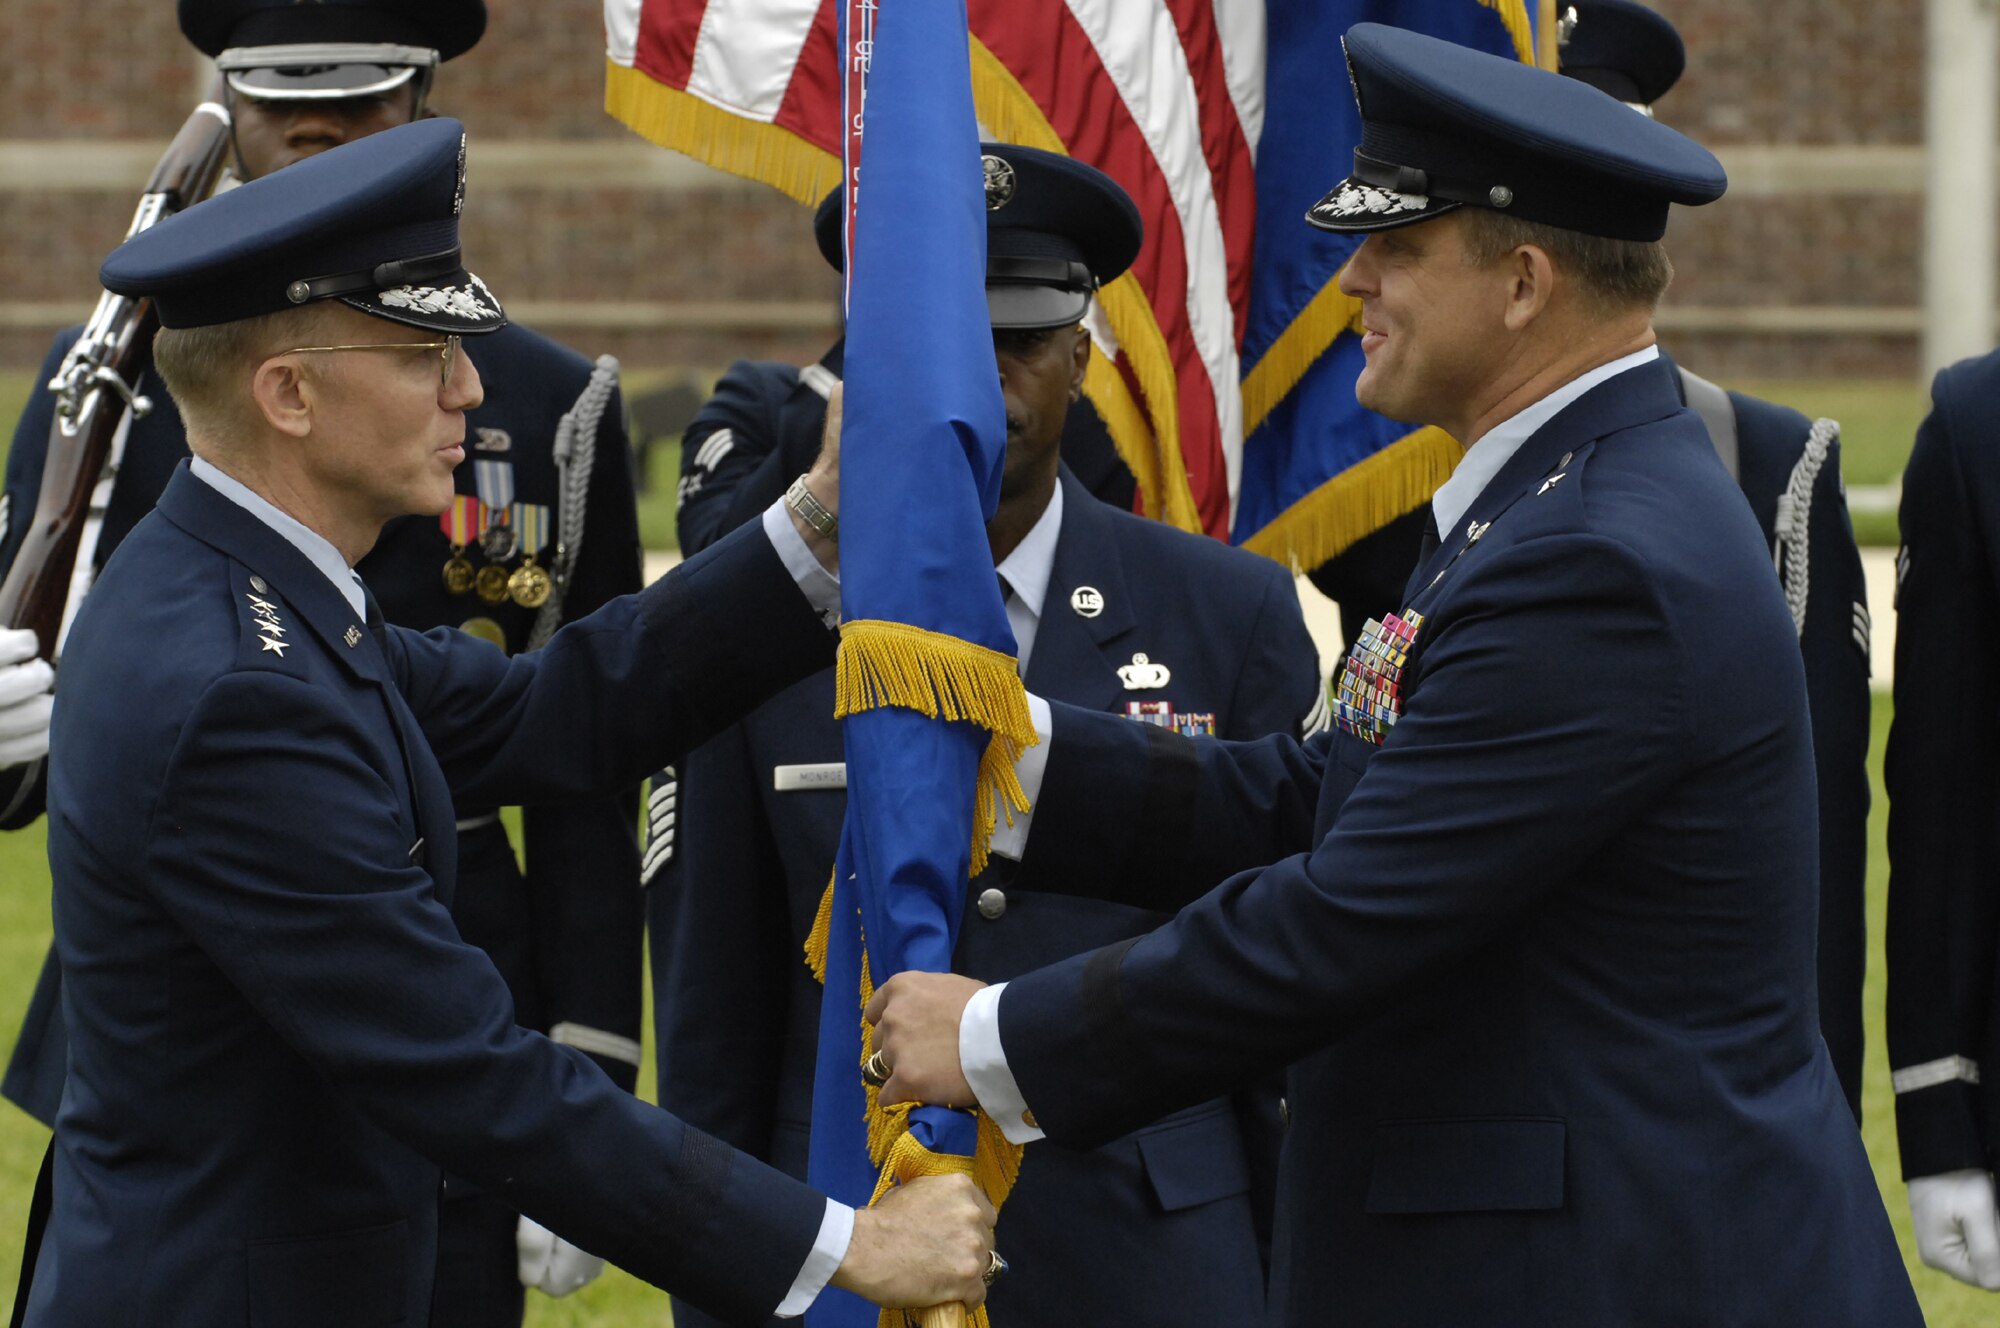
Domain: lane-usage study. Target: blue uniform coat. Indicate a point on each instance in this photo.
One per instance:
(277, 1035)
(1835, 644)
(1943, 778)
(1543, 960)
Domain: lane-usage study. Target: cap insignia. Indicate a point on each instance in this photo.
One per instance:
(1000, 182)
(1357, 199)
(1500, 195)
(451, 301)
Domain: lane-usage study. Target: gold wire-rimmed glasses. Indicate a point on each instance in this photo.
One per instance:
(448, 347)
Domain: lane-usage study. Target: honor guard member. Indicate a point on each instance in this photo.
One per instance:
(1943, 780)
(278, 1037)
(1789, 469)
(1111, 612)
(1533, 924)
(543, 528)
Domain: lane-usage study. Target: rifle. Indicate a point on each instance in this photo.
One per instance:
(96, 387)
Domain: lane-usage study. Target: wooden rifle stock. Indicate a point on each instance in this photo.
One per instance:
(95, 387)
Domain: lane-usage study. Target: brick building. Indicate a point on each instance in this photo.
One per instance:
(1809, 266)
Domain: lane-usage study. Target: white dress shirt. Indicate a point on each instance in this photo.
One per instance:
(820, 587)
(980, 1055)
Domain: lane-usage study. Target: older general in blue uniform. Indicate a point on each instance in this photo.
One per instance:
(1111, 612)
(279, 1040)
(1541, 955)
(548, 481)
(1789, 469)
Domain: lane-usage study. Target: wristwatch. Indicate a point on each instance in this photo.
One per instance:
(811, 511)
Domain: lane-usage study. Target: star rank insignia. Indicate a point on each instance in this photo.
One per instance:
(264, 616)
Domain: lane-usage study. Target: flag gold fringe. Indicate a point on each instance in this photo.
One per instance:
(941, 677)
(1514, 14)
(995, 1163)
(994, 1166)
(822, 931)
(1154, 455)
(753, 149)
(1359, 500)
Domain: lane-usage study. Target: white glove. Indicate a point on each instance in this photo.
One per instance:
(548, 1263)
(1957, 1225)
(25, 702)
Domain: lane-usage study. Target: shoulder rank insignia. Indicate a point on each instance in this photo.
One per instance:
(264, 617)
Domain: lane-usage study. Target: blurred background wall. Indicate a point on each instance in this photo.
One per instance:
(1810, 266)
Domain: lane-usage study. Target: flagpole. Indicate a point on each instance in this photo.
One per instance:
(1548, 54)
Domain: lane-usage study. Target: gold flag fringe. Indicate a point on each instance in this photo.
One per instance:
(1514, 15)
(754, 149)
(1359, 500)
(941, 677)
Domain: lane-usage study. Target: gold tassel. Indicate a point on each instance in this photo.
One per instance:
(821, 934)
(941, 677)
(735, 143)
(1514, 15)
(1359, 500)
(1154, 457)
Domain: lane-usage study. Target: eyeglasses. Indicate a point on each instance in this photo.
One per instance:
(448, 347)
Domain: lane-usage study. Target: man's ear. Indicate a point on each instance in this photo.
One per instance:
(1531, 284)
(1079, 361)
(283, 396)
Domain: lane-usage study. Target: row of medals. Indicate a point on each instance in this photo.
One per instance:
(528, 585)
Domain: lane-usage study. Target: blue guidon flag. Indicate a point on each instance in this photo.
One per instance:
(927, 687)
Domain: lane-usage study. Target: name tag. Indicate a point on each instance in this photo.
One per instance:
(809, 778)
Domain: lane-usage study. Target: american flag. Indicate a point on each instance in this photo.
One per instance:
(1174, 99)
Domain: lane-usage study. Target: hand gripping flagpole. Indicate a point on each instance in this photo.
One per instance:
(927, 686)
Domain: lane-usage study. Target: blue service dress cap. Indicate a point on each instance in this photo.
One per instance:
(292, 50)
(1444, 126)
(372, 223)
(1623, 48)
(1056, 230)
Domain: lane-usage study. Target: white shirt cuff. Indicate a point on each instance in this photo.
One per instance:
(820, 587)
(1010, 836)
(985, 1065)
(836, 1229)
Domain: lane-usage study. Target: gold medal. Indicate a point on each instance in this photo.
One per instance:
(485, 629)
(530, 585)
(458, 573)
(491, 583)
